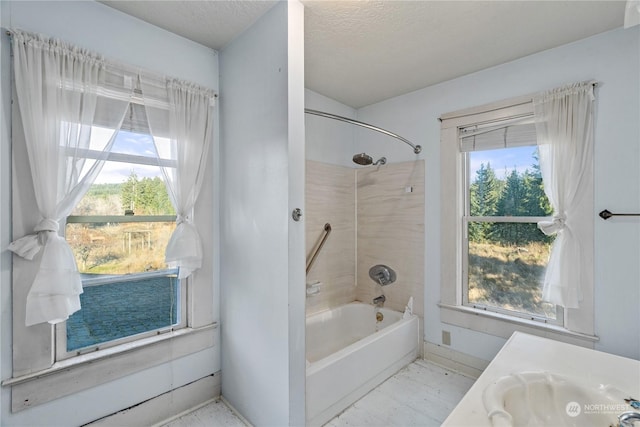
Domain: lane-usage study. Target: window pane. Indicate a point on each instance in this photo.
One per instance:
(117, 309)
(128, 288)
(506, 182)
(506, 270)
(123, 189)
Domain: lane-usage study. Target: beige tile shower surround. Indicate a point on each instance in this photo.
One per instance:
(380, 208)
(330, 196)
(390, 212)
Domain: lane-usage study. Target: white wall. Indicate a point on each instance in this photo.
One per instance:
(328, 140)
(5, 205)
(118, 36)
(612, 59)
(296, 159)
(128, 40)
(262, 151)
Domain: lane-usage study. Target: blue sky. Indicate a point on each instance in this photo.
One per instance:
(129, 143)
(503, 161)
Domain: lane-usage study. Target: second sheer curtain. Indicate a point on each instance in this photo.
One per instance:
(564, 125)
(182, 132)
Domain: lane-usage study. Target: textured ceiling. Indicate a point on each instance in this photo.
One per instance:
(211, 23)
(362, 52)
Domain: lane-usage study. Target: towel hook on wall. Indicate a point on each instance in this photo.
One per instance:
(606, 214)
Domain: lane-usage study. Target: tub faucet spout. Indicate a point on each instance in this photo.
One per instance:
(629, 419)
(378, 301)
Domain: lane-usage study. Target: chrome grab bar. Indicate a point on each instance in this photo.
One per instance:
(314, 254)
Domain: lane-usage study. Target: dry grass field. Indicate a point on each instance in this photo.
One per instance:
(509, 277)
(119, 248)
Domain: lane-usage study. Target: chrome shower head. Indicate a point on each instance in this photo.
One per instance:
(362, 159)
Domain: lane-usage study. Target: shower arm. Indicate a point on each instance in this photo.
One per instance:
(416, 148)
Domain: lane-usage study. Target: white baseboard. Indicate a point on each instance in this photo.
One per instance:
(235, 411)
(456, 361)
(167, 406)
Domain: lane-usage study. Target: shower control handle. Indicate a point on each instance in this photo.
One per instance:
(382, 274)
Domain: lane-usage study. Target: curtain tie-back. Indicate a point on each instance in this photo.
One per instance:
(557, 223)
(184, 250)
(47, 224)
(180, 219)
(28, 246)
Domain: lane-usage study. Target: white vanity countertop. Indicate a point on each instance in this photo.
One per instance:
(523, 352)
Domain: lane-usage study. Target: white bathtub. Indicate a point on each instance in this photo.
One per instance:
(349, 353)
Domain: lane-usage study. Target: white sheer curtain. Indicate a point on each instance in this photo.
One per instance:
(181, 121)
(57, 87)
(564, 126)
(632, 13)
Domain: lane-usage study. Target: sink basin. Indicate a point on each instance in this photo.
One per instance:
(543, 398)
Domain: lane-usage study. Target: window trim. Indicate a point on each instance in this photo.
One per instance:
(60, 333)
(89, 219)
(578, 323)
(126, 158)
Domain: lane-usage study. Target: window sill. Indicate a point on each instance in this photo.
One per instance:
(84, 371)
(502, 325)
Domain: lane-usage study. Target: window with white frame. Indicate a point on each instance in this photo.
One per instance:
(119, 233)
(117, 241)
(493, 254)
(504, 254)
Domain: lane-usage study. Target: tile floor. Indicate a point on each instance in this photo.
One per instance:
(422, 394)
(214, 414)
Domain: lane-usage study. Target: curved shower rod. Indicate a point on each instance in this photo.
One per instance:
(416, 148)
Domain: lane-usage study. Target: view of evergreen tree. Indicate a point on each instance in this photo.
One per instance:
(512, 203)
(128, 192)
(512, 196)
(484, 195)
(146, 196)
(519, 194)
(538, 203)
